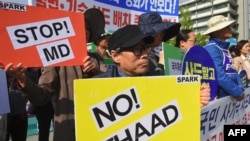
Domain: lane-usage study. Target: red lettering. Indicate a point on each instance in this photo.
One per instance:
(53, 4)
(126, 19)
(117, 18)
(216, 137)
(41, 3)
(82, 7)
(136, 19)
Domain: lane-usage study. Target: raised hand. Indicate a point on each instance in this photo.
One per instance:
(16, 72)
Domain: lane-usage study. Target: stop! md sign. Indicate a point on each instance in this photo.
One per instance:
(38, 36)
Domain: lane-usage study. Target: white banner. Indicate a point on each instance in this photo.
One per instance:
(224, 111)
(118, 13)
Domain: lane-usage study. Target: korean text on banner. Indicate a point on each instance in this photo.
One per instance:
(224, 111)
(197, 61)
(118, 13)
(138, 108)
(42, 37)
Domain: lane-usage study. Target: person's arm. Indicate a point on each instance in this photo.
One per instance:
(158, 68)
(160, 64)
(224, 81)
(90, 67)
(161, 58)
(38, 94)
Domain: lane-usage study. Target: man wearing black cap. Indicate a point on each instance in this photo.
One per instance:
(129, 49)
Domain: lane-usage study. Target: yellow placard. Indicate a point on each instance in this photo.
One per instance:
(138, 108)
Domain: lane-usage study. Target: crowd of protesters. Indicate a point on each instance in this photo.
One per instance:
(130, 47)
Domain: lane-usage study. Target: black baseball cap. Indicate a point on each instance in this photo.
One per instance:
(128, 36)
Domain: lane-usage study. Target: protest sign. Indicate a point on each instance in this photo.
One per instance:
(197, 61)
(41, 36)
(224, 111)
(138, 108)
(4, 97)
(119, 13)
(172, 59)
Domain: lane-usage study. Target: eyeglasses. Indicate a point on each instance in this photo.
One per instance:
(137, 49)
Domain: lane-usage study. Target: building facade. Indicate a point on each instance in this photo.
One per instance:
(202, 10)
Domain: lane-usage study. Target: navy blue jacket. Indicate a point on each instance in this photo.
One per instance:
(112, 72)
(228, 79)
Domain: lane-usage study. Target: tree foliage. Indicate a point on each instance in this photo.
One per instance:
(187, 23)
(201, 39)
(185, 19)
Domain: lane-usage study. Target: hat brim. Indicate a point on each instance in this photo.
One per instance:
(218, 27)
(170, 29)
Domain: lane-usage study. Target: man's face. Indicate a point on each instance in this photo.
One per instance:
(104, 42)
(227, 32)
(190, 42)
(133, 61)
